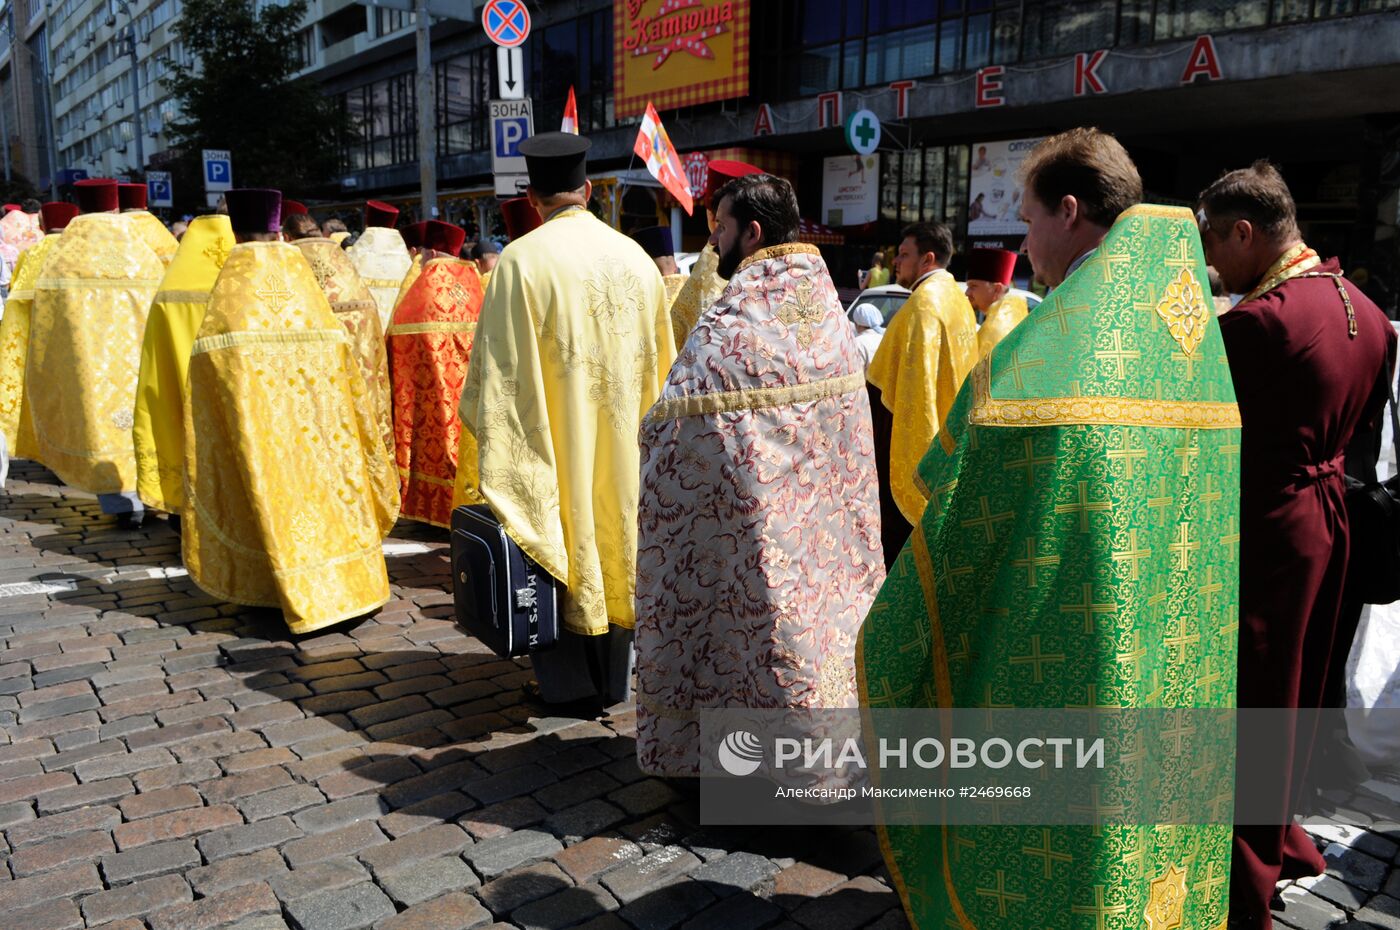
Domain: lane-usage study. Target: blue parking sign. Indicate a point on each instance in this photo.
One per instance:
(509, 134)
(159, 191)
(218, 170)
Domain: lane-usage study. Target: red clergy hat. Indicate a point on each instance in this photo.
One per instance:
(56, 214)
(444, 237)
(131, 196)
(293, 206)
(520, 216)
(379, 213)
(97, 195)
(413, 235)
(721, 172)
(994, 265)
(12, 207)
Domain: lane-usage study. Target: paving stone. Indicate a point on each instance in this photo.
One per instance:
(136, 900)
(423, 881)
(443, 840)
(848, 905)
(424, 814)
(174, 825)
(564, 908)
(1307, 912)
(61, 883)
(128, 764)
(346, 841)
(50, 915)
(355, 908)
(666, 907)
(450, 912)
(495, 856)
(188, 773)
(521, 886)
(70, 850)
(242, 839)
(219, 910)
(263, 865)
(440, 779)
(797, 882)
(524, 780)
(738, 871)
(586, 819)
(737, 912)
(31, 786)
(66, 823)
(166, 735)
(596, 855)
(15, 812)
(1382, 911)
(371, 777)
(502, 818)
(322, 876)
(286, 800)
(1355, 868)
(1338, 892)
(162, 801)
(341, 813)
(635, 879)
(246, 784)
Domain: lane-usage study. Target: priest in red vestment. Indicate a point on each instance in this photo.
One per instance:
(430, 343)
(1310, 356)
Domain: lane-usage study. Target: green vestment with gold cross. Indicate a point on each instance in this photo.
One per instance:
(1080, 549)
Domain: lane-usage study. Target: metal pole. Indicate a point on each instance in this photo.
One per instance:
(427, 111)
(47, 78)
(5, 123)
(136, 97)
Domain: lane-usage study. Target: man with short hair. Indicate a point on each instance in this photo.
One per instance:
(989, 273)
(1311, 358)
(1078, 550)
(759, 522)
(928, 348)
(275, 440)
(485, 253)
(656, 241)
(572, 349)
(300, 226)
(335, 230)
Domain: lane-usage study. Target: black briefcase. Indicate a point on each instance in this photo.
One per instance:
(501, 597)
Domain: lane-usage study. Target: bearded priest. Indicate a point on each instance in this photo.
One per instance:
(290, 490)
(380, 256)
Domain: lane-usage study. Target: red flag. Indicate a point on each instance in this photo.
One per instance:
(655, 147)
(570, 122)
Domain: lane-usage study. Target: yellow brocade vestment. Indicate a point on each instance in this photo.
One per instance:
(381, 259)
(1001, 319)
(89, 315)
(289, 490)
(153, 232)
(175, 318)
(924, 356)
(355, 307)
(572, 348)
(674, 283)
(15, 421)
(697, 294)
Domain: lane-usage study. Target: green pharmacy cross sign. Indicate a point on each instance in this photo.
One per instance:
(863, 132)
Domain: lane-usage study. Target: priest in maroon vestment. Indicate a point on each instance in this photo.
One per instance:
(1310, 356)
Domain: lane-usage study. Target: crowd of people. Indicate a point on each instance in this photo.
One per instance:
(1117, 499)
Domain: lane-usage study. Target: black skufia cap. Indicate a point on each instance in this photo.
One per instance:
(557, 161)
(655, 241)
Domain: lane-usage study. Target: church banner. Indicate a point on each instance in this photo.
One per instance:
(679, 53)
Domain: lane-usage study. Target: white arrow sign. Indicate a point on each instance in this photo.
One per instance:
(510, 73)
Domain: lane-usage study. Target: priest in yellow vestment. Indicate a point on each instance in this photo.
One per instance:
(571, 351)
(289, 489)
(381, 257)
(699, 291)
(927, 351)
(15, 425)
(133, 201)
(89, 315)
(354, 306)
(176, 315)
(989, 275)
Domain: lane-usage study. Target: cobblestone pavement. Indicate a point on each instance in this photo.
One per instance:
(171, 762)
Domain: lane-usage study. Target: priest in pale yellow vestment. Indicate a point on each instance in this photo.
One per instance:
(704, 286)
(289, 487)
(133, 202)
(928, 349)
(572, 349)
(176, 315)
(89, 315)
(15, 424)
(989, 275)
(381, 257)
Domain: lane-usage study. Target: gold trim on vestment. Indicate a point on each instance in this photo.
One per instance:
(349, 306)
(25, 294)
(296, 337)
(436, 326)
(57, 284)
(181, 297)
(1286, 267)
(674, 408)
(381, 282)
(1093, 411)
(778, 251)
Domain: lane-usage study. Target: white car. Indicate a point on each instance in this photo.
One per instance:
(889, 298)
(685, 261)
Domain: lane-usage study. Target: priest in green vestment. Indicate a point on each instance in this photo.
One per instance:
(1079, 549)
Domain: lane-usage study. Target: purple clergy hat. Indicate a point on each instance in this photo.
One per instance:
(254, 210)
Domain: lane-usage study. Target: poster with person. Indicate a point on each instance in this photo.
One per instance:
(994, 191)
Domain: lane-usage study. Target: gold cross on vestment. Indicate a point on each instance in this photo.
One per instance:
(950, 574)
(940, 492)
(1184, 546)
(1099, 910)
(1032, 562)
(1139, 854)
(803, 309)
(964, 651)
(1060, 313)
(1098, 809)
(960, 843)
(1000, 895)
(1184, 258)
(1206, 683)
(1213, 878)
(1187, 451)
(1112, 260)
(1133, 554)
(1190, 362)
(1083, 506)
(1091, 700)
(1180, 637)
(1210, 497)
(1210, 589)
(1017, 366)
(1137, 757)
(1153, 698)
(987, 520)
(1037, 659)
(274, 294)
(1029, 462)
(922, 641)
(1135, 654)
(1118, 355)
(988, 704)
(1231, 539)
(1230, 449)
(1177, 732)
(1088, 608)
(886, 697)
(1163, 500)
(1158, 597)
(1128, 454)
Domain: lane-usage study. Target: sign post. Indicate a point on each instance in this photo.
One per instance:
(510, 73)
(512, 122)
(159, 191)
(218, 174)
